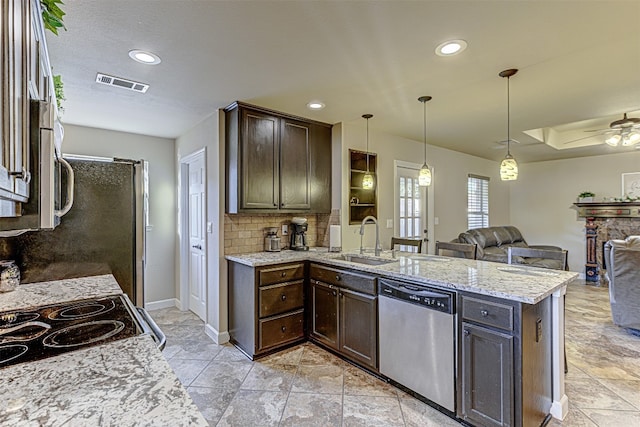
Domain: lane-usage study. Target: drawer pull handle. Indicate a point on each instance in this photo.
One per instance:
(484, 313)
(335, 293)
(338, 278)
(466, 332)
(283, 274)
(317, 282)
(283, 297)
(283, 329)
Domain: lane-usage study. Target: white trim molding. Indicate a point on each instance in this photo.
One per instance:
(560, 403)
(217, 337)
(165, 303)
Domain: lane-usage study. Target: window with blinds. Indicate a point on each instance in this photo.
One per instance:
(477, 201)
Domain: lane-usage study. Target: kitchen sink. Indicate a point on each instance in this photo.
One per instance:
(429, 258)
(366, 260)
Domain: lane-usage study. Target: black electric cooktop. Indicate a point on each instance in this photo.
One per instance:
(40, 332)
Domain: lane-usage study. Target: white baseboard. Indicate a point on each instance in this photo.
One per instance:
(217, 337)
(165, 303)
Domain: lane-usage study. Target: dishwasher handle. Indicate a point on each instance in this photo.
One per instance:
(388, 288)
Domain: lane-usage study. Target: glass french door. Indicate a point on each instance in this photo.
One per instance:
(411, 206)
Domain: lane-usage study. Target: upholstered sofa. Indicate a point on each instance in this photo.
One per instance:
(622, 261)
(493, 244)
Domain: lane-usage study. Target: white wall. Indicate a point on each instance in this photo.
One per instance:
(159, 153)
(208, 134)
(543, 196)
(449, 187)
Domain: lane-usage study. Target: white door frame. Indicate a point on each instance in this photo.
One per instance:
(183, 176)
(431, 244)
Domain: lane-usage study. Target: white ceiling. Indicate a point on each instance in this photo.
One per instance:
(578, 60)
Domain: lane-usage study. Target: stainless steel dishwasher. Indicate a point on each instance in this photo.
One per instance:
(417, 339)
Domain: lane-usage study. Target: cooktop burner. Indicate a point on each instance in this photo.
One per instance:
(28, 335)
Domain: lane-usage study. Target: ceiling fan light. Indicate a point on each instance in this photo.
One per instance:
(613, 140)
(631, 139)
(508, 168)
(424, 177)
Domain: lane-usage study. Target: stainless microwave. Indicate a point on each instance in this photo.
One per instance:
(49, 199)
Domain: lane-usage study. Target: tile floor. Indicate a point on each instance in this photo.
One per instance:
(307, 386)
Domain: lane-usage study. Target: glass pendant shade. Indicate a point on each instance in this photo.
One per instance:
(367, 181)
(508, 168)
(424, 178)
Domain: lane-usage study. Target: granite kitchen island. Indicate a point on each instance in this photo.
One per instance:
(527, 303)
(125, 382)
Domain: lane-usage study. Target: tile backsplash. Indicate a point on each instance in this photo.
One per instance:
(245, 233)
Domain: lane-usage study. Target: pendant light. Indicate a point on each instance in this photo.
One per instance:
(509, 166)
(367, 179)
(424, 178)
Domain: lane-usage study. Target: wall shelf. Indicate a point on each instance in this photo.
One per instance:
(367, 199)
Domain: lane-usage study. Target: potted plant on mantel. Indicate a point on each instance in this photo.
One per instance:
(586, 197)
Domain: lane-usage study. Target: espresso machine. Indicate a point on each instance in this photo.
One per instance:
(298, 234)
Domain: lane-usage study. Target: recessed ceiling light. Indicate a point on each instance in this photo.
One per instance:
(315, 105)
(451, 47)
(144, 57)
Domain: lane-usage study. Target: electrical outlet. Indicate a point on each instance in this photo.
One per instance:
(285, 229)
(209, 227)
(389, 223)
(436, 220)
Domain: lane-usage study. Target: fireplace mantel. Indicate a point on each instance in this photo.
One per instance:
(605, 221)
(608, 209)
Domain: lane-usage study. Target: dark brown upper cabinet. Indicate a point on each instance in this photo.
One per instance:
(276, 162)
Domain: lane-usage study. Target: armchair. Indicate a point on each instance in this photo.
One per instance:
(622, 260)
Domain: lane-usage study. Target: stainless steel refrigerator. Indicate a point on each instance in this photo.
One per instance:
(104, 232)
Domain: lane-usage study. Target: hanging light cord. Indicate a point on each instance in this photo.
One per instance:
(508, 118)
(367, 144)
(424, 105)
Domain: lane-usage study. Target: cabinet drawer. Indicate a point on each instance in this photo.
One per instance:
(281, 329)
(282, 273)
(487, 313)
(279, 298)
(342, 278)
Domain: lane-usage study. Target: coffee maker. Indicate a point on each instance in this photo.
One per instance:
(298, 234)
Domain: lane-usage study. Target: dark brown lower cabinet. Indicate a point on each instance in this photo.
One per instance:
(266, 306)
(505, 375)
(342, 318)
(487, 383)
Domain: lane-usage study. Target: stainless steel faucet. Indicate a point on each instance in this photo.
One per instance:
(364, 222)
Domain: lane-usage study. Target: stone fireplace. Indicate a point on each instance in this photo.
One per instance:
(604, 222)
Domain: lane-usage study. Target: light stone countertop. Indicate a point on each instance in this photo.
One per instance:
(513, 282)
(125, 383)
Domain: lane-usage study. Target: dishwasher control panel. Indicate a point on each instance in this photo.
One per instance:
(434, 299)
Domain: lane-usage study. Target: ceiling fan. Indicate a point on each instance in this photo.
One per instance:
(625, 131)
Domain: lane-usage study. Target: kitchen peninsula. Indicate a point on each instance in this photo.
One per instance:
(508, 321)
(124, 382)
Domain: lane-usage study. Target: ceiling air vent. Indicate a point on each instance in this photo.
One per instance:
(122, 83)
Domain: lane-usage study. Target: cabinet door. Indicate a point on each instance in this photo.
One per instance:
(295, 165)
(259, 151)
(15, 27)
(487, 376)
(324, 313)
(358, 327)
